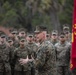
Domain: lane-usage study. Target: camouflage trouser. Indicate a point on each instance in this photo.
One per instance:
(43, 73)
(1, 73)
(32, 71)
(63, 70)
(46, 73)
(5, 73)
(22, 73)
(12, 69)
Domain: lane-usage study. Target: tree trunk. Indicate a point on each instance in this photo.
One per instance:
(55, 20)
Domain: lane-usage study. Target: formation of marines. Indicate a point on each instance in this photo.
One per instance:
(38, 53)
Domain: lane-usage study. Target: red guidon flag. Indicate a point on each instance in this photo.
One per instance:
(73, 52)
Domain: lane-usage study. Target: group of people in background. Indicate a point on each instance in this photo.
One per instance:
(38, 53)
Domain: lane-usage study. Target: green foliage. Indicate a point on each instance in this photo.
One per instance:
(7, 6)
(16, 13)
(45, 4)
(66, 15)
(10, 18)
(42, 19)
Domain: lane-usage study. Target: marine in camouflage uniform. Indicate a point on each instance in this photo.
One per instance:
(5, 68)
(12, 48)
(3, 39)
(48, 37)
(36, 40)
(63, 56)
(21, 53)
(14, 38)
(46, 60)
(22, 33)
(54, 37)
(32, 48)
(66, 30)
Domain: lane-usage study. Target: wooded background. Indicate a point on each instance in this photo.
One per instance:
(30, 13)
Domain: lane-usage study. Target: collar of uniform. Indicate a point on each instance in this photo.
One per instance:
(63, 44)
